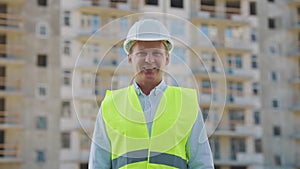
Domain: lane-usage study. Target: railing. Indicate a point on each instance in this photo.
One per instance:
(232, 11)
(236, 44)
(222, 14)
(9, 151)
(10, 20)
(10, 51)
(295, 103)
(9, 117)
(210, 9)
(9, 84)
(239, 73)
(234, 123)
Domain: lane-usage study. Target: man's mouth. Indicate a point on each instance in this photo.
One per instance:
(148, 68)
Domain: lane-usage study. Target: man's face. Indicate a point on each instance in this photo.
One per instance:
(148, 59)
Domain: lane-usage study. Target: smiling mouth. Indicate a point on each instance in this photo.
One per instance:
(148, 68)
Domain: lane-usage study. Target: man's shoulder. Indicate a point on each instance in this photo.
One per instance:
(116, 93)
(182, 89)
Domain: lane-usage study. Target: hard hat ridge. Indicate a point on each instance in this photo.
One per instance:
(147, 30)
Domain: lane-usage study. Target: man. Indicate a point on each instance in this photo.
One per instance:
(150, 124)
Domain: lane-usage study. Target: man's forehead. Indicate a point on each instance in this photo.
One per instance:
(149, 44)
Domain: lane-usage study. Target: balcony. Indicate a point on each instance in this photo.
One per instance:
(228, 45)
(240, 159)
(10, 86)
(295, 80)
(103, 8)
(102, 36)
(229, 162)
(11, 54)
(236, 101)
(220, 16)
(295, 25)
(238, 74)
(250, 158)
(91, 92)
(10, 22)
(9, 153)
(294, 52)
(9, 120)
(236, 44)
(86, 123)
(203, 73)
(14, 2)
(237, 128)
(249, 129)
(295, 107)
(296, 136)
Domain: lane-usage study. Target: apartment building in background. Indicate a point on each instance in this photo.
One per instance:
(236, 133)
(29, 84)
(56, 64)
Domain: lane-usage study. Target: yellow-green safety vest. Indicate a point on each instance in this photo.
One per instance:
(126, 127)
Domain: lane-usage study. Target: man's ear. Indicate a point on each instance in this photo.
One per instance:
(129, 58)
(167, 58)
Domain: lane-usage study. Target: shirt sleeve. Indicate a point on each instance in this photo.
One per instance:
(198, 148)
(100, 156)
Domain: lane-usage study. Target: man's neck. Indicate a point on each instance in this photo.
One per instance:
(147, 87)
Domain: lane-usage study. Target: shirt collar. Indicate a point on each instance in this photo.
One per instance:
(158, 89)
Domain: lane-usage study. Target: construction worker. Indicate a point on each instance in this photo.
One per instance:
(149, 124)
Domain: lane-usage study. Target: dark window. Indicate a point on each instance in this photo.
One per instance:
(123, 1)
(276, 131)
(258, 145)
(177, 3)
(40, 156)
(205, 112)
(215, 147)
(253, 37)
(65, 140)
(252, 8)
(254, 62)
(274, 77)
(42, 2)
(67, 18)
(270, 0)
(83, 165)
(3, 8)
(66, 109)
(238, 167)
(208, 2)
(277, 160)
(233, 4)
(151, 2)
(41, 123)
(256, 117)
(67, 77)
(42, 60)
(275, 103)
(271, 23)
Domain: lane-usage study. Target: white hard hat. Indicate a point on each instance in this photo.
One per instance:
(147, 30)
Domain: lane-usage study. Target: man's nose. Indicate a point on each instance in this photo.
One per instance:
(149, 58)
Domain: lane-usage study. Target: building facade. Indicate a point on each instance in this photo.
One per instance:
(30, 84)
(57, 59)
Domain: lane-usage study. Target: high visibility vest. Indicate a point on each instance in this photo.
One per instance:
(126, 127)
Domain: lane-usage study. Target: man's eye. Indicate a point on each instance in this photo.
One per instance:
(157, 53)
(142, 53)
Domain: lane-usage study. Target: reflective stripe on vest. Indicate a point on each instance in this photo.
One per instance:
(155, 158)
(127, 129)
